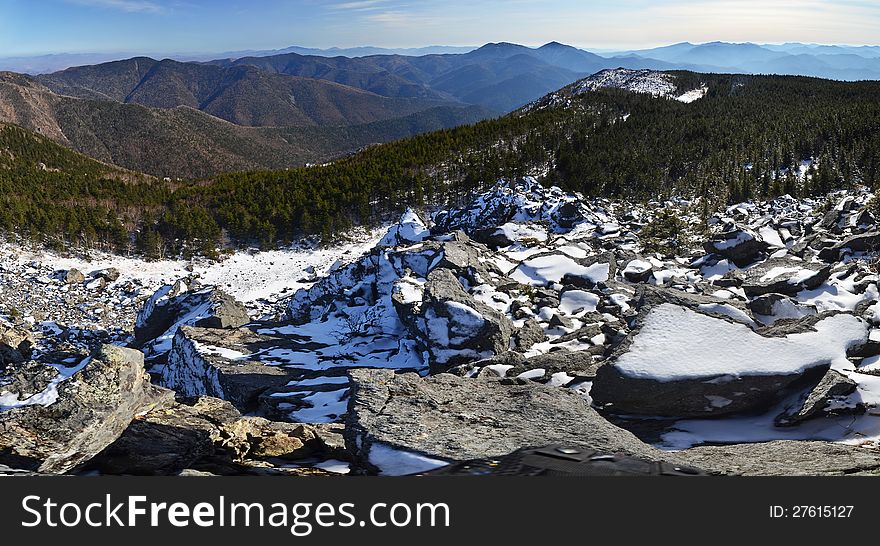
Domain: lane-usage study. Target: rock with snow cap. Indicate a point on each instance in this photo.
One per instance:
(679, 362)
(409, 229)
(783, 276)
(740, 246)
(451, 324)
(638, 271)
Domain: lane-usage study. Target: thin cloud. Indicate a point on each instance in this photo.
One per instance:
(131, 6)
(361, 5)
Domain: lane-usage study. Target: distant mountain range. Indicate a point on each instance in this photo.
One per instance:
(184, 142)
(44, 64)
(828, 61)
(193, 119)
(823, 61)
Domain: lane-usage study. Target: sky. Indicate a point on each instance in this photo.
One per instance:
(33, 27)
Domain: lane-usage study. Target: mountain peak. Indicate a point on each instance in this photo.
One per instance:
(555, 45)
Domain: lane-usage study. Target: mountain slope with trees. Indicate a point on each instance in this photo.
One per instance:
(244, 95)
(746, 136)
(185, 142)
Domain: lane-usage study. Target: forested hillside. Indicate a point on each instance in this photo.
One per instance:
(748, 136)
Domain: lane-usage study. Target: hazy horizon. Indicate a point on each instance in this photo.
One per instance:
(179, 27)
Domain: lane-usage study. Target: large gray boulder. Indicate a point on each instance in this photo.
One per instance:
(678, 362)
(91, 409)
(199, 364)
(452, 325)
(173, 306)
(446, 417)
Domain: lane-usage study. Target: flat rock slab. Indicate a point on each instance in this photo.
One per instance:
(447, 417)
(785, 458)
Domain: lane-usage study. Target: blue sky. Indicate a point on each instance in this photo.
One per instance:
(178, 26)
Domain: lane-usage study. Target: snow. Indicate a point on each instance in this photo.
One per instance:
(657, 84)
(732, 242)
(777, 271)
(518, 232)
(410, 289)
(465, 320)
(575, 302)
(335, 466)
(327, 406)
(246, 275)
(676, 343)
(728, 310)
(397, 462)
(536, 373)
(692, 95)
(552, 268)
(408, 229)
(499, 369)
(771, 236)
(637, 267)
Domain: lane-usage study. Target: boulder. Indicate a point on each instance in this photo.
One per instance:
(782, 276)
(741, 246)
(528, 335)
(828, 397)
(90, 410)
(110, 274)
(452, 325)
(638, 271)
(864, 242)
(74, 276)
(573, 363)
(449, 418)
(199, 364)
(678, 362)
(785, 458)
(209, 433)
(15, 345)
(173, 306)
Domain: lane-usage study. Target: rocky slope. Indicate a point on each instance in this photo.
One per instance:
(527, 316)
